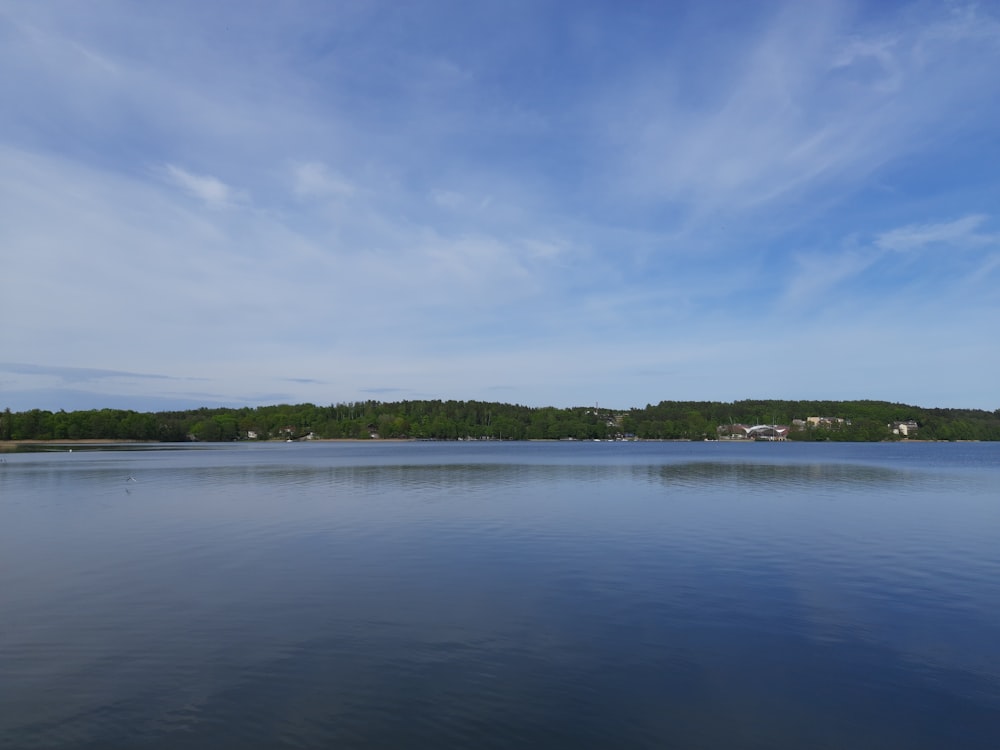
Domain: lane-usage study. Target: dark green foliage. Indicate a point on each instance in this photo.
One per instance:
(452, 420)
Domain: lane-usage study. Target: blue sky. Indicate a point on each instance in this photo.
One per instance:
(532, 202)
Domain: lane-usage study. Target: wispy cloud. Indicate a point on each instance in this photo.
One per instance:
(815, 100)
(819, 279)
(817, 275)
(75, 374)
(212, 191)
(960, 232)
(315, 179)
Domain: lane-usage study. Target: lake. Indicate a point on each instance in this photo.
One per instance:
(497, 595)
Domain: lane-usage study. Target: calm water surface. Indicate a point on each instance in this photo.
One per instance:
(457, 595)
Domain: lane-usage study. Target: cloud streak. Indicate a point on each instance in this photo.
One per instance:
(960, 232)
(74, 374)
(810, 102)
(212, 191)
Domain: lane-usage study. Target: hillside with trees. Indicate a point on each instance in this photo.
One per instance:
(453, 420)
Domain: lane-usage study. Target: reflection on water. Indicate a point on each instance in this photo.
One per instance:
(415, 595)
(778, 477)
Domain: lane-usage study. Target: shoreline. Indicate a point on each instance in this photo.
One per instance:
(12, 446)
(66, 441)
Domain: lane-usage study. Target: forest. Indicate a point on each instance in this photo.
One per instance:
(477, 420)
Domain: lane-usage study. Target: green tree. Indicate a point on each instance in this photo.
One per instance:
(6, 424)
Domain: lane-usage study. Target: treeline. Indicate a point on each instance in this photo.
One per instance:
(864, 421)
(451, 420)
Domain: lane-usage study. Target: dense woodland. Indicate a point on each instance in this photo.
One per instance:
(452, 420)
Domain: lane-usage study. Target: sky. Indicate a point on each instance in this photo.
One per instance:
(538, 202)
